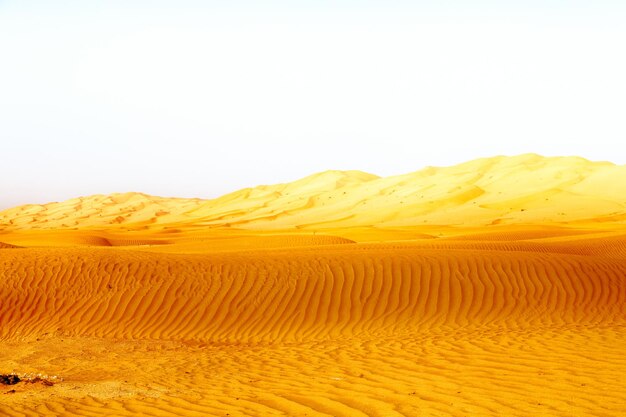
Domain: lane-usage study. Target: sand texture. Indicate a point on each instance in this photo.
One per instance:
(493, 288)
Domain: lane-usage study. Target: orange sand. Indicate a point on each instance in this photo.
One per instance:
(500, 292)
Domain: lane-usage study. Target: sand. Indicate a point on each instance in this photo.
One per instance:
(273, 301)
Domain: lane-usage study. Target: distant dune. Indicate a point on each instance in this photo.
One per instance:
(492, 288)
(501, 190)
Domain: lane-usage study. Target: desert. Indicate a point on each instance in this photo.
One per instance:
(494, 287)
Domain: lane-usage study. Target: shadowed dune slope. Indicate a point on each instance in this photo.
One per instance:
(7, 246)
(305, 296)
(245, 243)
(178, 242)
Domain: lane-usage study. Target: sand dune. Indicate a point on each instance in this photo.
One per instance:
(527, 189)
(308, 296)
(329, 296)
(345, 329)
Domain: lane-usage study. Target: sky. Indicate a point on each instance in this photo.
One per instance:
(200, 98)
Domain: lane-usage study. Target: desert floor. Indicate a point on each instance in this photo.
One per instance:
(513, 321)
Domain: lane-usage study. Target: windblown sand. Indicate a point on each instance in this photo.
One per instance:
(217, 313)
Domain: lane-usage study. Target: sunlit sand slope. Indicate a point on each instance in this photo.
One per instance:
(501, 190)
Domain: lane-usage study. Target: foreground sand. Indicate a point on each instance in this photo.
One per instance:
(507, 322)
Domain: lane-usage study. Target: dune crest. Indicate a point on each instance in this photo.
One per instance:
(525, 189)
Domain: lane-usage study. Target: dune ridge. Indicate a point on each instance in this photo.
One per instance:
(525, 189)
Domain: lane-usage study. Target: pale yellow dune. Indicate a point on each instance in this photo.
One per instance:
(493, 288)
(527, 189)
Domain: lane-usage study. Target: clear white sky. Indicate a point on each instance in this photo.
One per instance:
(199, 98)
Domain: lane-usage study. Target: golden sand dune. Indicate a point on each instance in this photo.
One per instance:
(465, 328)
(501, 190)
(300, 300)
(304, 296)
